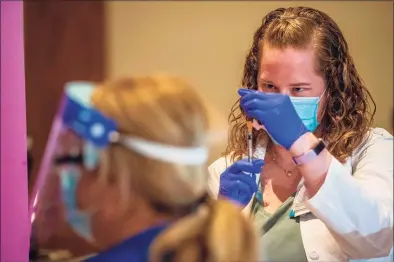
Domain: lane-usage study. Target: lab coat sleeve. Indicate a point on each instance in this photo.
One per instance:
(358, 209)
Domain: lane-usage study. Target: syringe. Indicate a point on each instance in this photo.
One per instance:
(249, 124)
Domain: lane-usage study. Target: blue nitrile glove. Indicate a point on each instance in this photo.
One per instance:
(238, 182)
(276, 113)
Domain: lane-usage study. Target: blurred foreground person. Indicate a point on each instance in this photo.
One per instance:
(125, 170)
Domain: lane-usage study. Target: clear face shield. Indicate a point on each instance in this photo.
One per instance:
(60, 229)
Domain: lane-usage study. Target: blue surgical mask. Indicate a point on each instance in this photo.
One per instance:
(307, 109)
(80, 221)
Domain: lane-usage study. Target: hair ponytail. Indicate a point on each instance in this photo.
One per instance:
(216, 232)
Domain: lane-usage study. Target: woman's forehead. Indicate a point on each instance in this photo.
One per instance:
(287, 65)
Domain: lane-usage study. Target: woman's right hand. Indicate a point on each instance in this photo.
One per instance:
(238, 182)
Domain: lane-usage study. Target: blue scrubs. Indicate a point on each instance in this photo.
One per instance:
(133, 249)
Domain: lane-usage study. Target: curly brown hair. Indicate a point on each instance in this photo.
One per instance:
(350, 109)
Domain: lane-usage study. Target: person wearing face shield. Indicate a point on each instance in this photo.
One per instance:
(326, 188)
(124, 178)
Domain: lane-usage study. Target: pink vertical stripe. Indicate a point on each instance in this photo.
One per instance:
(15, 226)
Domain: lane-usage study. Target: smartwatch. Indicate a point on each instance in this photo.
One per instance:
(311, 154)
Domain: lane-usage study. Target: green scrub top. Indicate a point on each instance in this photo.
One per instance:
(280, 238)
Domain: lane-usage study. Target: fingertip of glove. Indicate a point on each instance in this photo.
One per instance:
(243, 91)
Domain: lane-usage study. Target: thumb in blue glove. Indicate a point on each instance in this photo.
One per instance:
(238, 182)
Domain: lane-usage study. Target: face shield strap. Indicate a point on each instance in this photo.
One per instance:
(161, 152)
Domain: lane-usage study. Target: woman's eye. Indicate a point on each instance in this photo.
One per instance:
(268, 87)
(298, 89)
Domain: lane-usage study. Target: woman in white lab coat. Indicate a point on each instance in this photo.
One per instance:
(325, 191)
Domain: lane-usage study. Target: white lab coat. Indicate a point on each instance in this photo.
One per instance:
(351, 216)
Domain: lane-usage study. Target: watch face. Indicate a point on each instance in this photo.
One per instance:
(311, 154)
(319, 147)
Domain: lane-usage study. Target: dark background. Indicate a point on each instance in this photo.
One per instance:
(64, 41)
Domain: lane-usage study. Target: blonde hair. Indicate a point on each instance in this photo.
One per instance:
(166, 110)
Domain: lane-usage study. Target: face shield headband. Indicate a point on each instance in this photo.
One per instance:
(92, 126)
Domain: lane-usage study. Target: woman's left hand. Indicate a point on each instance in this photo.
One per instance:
(277, 114)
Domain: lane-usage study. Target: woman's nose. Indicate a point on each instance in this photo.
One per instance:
(284, 91)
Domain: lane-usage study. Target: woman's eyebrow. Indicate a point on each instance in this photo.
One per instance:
(266, 81)
(300, 84)
(296, 84)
